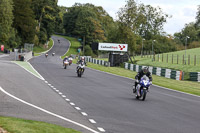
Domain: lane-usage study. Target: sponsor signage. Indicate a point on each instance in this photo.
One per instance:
(113, 47)
(2, 47)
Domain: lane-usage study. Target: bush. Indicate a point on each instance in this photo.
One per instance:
(88, 51)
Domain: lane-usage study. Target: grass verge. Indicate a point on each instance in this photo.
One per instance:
(165, 60)
(16, 125)
(28, 67)
(39, 49)
(184, 86)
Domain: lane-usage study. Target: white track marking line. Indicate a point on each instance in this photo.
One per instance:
(45, 81)
(29, 71)
(63, 96)
(72, 104)
(36, 71)
(57, 90)
(77, 108)
(67, 100)
(92, 121)
(83, 113)
(60, 93)
(48, 112)
(153, 84)
(101, 129)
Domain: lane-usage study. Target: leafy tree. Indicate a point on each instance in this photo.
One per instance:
(24, 21)
(46, 12)
(188, 30)
(82, 21)
(6, 20)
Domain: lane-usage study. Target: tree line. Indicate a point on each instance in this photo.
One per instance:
(34, 21)
(27, 21)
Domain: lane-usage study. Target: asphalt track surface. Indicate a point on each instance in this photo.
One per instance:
(108, 99)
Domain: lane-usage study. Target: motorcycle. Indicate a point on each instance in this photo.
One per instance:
(46, 55)
(53, 54)
(142, 88)
(80, 69)
(65, 64)
(70, 60)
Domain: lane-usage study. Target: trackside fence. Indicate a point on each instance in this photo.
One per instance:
(195, 76)
(167, 73)
(96, 61)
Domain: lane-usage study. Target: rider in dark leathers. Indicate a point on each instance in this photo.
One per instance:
(140, 74)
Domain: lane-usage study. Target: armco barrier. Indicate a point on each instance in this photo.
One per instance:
(167, 73)
(195, 76)
(95, 61)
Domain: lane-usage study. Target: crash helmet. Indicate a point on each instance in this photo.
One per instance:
(82, 58)
(145, 70)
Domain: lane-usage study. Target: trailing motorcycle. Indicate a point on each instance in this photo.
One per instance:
(142, 88)
(80, 69)
(70, 60)
(65, 64)
(46, 55)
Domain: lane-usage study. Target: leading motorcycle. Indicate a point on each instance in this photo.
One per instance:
(80, 69)
(142, 88)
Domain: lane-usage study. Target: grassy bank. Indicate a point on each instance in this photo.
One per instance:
(178, 62)
(39, 49)
(15, 125)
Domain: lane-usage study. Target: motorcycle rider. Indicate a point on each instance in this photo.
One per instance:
(65, 59)
(46, 55)
(82, 60)
(140, 74)
(70, 59)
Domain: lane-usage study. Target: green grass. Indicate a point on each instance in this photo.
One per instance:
(16, 125)
(180, 66)
(28, 67)
(75, 44)
(39, 49)
(184, 86)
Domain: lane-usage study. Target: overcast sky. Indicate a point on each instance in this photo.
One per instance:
(182, 11)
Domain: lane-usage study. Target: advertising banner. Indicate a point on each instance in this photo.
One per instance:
(113, 47)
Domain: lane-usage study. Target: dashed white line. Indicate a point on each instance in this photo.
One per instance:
(63, 96)
(48, 112)
(57, 90)
(77, 108)
(72, 104)
(92, 121)
(45, 81)
(83, 113)
(67, 100)
(101, 129)
(60, 93)
(54, 88)
(49, 84)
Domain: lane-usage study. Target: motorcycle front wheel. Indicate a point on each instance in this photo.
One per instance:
(144, 94)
